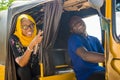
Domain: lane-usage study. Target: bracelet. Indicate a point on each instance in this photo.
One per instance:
(29, 49)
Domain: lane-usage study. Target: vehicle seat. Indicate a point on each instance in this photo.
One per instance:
(61, 61)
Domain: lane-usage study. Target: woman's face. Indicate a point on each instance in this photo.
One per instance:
(27, 27)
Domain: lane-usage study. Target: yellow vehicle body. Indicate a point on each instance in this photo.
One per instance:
(112, 66)
(2, 72)
(65, 76)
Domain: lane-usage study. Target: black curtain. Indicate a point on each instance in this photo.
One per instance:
(52, 15)
(10, 69)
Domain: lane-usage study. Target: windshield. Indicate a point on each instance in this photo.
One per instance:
(117, 18)
(93, 26)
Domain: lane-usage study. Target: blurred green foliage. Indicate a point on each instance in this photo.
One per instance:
(4, 4)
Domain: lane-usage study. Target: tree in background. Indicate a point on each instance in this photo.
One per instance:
(4, 4)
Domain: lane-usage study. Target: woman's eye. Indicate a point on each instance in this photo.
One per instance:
(24, 27)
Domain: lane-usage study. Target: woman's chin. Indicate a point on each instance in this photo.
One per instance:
(30, 35)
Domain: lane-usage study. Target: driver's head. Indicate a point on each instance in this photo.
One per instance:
(77, 25)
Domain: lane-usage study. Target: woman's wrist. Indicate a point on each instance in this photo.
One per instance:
(29, 49)
(31, 46)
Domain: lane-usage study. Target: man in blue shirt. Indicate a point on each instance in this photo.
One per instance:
(85, 52)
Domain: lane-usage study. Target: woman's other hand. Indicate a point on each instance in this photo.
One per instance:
(38, 39)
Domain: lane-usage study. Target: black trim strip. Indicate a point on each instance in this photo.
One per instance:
(114, 21)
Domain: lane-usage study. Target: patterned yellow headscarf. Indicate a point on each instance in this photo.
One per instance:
(25, 41)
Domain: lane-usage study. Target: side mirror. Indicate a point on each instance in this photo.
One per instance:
(96, 4)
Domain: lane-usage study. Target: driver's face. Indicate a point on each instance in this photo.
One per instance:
(79, 28)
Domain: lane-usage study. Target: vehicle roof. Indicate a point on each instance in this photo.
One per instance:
(20, 6)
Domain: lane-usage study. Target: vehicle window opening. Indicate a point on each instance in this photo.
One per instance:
(60, 46)
(117, 16)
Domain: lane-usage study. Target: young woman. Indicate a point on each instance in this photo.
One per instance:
(23, 42)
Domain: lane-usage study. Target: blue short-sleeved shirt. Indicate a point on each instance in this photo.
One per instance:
(83, 69)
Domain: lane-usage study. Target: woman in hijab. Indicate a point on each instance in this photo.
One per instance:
(22, 43)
